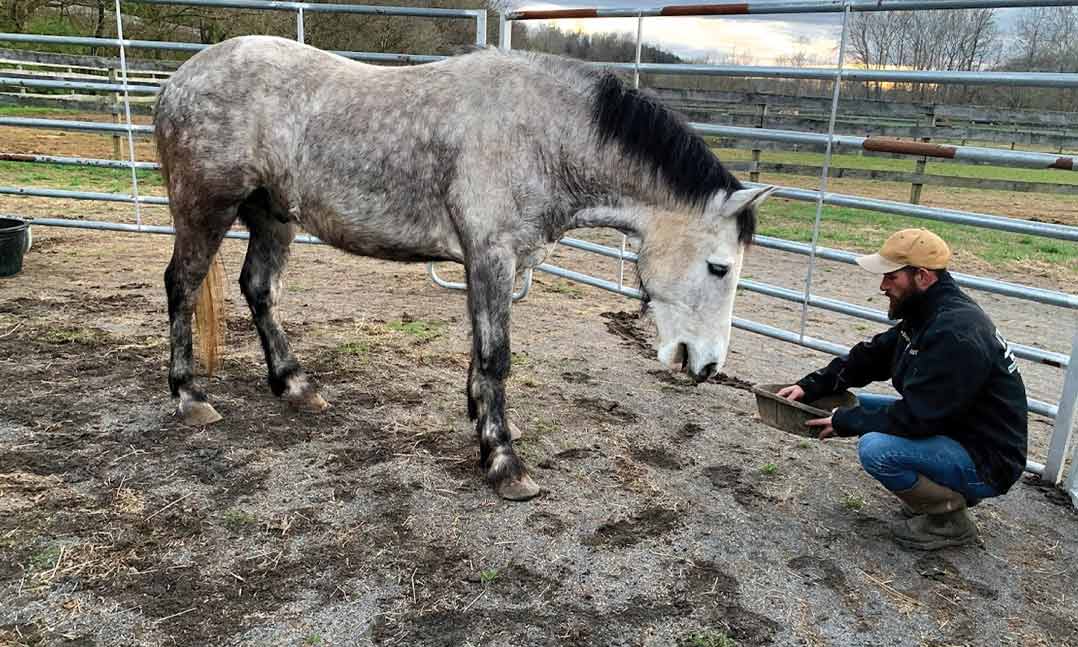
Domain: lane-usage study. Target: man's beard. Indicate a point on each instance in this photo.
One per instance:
(905, 305)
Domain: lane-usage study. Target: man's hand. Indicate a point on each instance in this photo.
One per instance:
(827, 430)
(792, 392)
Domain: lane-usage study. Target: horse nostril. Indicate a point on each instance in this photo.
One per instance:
(710, 370)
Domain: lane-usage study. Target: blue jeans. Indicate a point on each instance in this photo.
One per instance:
(896, 461)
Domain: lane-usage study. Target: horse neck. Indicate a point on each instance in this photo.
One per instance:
(622, 195)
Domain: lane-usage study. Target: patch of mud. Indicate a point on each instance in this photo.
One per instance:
(603, 410)
(745, 491)
(346, 460)
(730, 381)
(646, 524)
(656, 457)
(714, 594)
(626, 325)
(819, 570)
(577, 377)
(1052, 493)
(666, 376)
(571, 454)
(546, 523)
(689, 430)
(723, 476)
(936, 568)
(749, 497)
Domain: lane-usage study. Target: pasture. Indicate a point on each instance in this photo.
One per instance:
(669, 514)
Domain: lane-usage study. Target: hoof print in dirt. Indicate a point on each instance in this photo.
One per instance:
(602, 410)
(571, 454)
(714, 595)
(577, 377)
(689, 430)
(655, 457)
(646, 524)
(546, 523)
(723, 476)
(935, 567)
(819, 570)
(745, 491)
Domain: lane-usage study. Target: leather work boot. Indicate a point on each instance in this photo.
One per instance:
(943, 521)
(906, 512)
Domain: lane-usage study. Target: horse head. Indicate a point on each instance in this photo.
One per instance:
(689, 266)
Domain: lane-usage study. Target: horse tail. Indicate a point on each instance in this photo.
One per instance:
(210, 316)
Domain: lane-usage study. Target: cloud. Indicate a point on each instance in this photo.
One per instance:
(763, 39)
(722, 38)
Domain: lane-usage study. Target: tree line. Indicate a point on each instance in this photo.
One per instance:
(1040, 39)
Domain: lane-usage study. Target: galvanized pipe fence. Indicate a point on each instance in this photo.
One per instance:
(1062, 412)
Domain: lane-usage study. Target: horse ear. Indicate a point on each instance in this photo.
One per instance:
(739, 201)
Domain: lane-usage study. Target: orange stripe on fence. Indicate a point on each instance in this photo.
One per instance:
(889, 145)
(538, 14)
(733, 8)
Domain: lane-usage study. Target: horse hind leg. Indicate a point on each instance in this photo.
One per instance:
(193, 252)
(260, 281)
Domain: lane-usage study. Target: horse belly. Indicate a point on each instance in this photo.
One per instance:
(372, 229)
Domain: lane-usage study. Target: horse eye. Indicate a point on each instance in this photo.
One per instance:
(718, 270)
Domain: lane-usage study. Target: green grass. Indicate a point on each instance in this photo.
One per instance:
(76, 178)
(421, 330)
(769, 469)
(360, 348)
(236, 519)
(709, 638)
(934, 166)
(84, 336)
(488, 576)
(20, 111)
(853, 502)
(567, 288)
(859, 230)
(45, 558)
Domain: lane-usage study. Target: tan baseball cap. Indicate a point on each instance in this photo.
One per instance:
(909, 247)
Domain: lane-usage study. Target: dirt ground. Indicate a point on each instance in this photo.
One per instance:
(670, 514)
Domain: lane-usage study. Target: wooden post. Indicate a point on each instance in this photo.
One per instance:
(116, 108)
(754, 169)
(919, 167)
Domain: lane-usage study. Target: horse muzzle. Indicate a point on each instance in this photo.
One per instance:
(699, 365)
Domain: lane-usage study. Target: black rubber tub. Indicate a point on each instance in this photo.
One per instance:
(12, 245)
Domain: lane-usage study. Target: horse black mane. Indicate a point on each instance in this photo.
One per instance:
(653, 135)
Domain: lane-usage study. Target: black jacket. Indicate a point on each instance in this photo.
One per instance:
(957, 378)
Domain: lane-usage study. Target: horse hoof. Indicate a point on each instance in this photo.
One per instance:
(310, 403)
(520, 489)
(514, 432)
(198, 414)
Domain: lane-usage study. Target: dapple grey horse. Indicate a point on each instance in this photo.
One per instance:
(485, 159)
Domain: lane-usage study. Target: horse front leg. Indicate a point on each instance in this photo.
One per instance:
(490, 288)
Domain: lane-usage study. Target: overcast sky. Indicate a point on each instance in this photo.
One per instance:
(765, 38)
